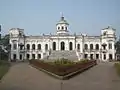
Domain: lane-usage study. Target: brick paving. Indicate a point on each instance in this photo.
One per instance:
(22, 76)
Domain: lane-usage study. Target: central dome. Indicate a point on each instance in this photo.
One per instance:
(62, 21)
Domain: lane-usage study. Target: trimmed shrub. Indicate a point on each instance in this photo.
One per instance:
(117, 66)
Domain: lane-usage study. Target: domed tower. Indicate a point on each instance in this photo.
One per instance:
(62, 27)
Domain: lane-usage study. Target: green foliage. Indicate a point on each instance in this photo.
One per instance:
(83, 60)
(117, 66)
(117, 45)
(5, 42)
(63, 61)
(4, 67)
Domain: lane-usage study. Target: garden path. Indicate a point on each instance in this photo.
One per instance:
(22, 76)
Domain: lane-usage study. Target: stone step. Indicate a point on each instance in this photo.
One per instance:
(71, 55)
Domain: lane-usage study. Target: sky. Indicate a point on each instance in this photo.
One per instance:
(40, 16)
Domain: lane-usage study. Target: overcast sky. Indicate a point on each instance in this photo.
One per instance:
(40, 16)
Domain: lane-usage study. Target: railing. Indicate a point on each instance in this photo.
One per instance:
(91, 50)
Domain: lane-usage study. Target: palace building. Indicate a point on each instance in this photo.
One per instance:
(62, 45)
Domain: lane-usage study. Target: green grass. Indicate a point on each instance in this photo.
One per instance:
(117, 66)
(4, 67)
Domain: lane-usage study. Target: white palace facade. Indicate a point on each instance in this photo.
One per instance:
(62, 45)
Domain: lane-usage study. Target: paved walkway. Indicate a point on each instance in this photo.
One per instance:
(24, 77)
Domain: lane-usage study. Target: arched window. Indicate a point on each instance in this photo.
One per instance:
(14, 46)
(78, 46)
(46, 46)
(33, 46)
(39, 46)
(58, 28)
(66, 28)
(104, 33)
(62, 46)
(54, 45)
(91, 46)
(62, 28)
(97, 46)
(86, 46)
(110, 45)
(28, 46)
(10, 46)
(70, 46)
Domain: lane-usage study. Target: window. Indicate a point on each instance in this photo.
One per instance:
(58, 28)
(46, 46)
(66, 28)
(62, 27)
(110, 45)
(91, 46)
(86, 46)
(10, 46)
(14, 46)
(33, 46)
(21, 47)
(104, 33)
(78, 46)
(104, 56)
(104, 47)
(70, 46)
(97, 46)
(28, 46)
(39, 46)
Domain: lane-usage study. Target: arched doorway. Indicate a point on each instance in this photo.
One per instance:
(62, 46)
(46, 47)
(70, 46)
(78, 46)
(54, 45)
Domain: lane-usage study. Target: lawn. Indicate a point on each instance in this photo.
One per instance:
(117, 66)
(4, 67)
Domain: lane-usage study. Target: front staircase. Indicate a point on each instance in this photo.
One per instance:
(70, 55)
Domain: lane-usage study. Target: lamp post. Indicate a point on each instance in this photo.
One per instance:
(0, 43)
(61, 85)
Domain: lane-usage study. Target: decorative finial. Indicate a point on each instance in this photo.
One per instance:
(62, 17)
(61, 13)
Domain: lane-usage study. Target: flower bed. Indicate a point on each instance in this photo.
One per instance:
(63, 69)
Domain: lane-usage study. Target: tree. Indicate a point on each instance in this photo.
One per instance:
(118, 47)
(4, 47)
